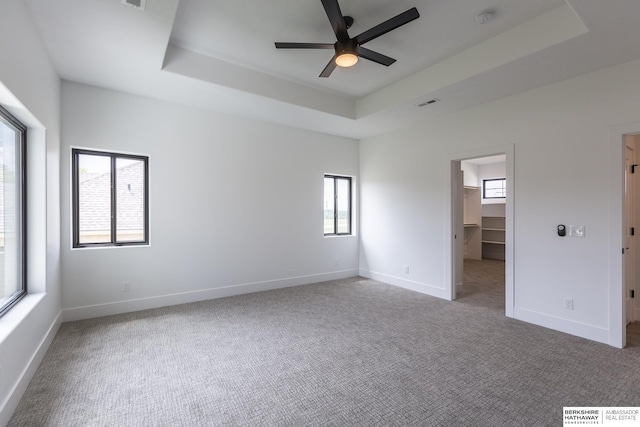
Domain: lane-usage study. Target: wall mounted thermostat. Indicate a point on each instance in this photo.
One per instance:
(562, 230)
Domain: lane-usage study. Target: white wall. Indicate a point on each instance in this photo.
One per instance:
(561, 143)
(235, 205)
(470, 174)
(30, 89)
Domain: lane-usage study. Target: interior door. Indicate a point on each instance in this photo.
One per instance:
(629, 243)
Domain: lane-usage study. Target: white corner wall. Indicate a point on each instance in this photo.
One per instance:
(30, 90)
(562, 173)
(235, 205)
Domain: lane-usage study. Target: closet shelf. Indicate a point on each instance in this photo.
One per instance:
(493, 242)
(493, 237)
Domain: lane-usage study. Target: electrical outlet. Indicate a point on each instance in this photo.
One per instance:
(406, 269)
(336, 263)
(126, 286)
(568, 303)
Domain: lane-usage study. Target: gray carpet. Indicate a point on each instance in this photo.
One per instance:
(484, 284)
(347, 352)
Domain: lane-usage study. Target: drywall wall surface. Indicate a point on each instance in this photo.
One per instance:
(561, 144)
(235, 205)
(470, 174)
(30, 90)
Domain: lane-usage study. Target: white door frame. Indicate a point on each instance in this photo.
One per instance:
(629, 242)
(617, 221)
(458, 202)
(450, 254)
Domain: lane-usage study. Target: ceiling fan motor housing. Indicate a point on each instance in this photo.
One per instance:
(346, 46)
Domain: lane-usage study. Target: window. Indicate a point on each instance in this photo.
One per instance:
(110, 199)
(494, 188)
(337, 205)
(13, 201)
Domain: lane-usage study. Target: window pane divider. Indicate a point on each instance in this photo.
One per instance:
(114, 207)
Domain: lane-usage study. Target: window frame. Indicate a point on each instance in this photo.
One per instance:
(21, 129)
(75, 180)
(337, 178)
(484, 188)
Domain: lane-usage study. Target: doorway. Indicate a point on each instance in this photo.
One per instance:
(484, 224)
(498, 237)
(621, 263)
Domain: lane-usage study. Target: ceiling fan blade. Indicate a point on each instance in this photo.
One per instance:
(375, 56)
(293, 45)
(329, 68)
(388, 25)
(336, 19)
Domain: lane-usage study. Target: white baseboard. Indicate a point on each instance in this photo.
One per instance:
(579, 329)
(423, 288)
(567, 326)
(108, 309)
(11, 403)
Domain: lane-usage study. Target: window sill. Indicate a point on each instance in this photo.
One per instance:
(18, 313)
(93, 248)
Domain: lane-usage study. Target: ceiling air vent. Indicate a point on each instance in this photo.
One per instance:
(429, 102)
(137, 4)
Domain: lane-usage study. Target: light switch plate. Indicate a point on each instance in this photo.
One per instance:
(576, 230)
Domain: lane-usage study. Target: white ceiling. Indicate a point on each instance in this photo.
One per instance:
(244, 32)
(220, 54)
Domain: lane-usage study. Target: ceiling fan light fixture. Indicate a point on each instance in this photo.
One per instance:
(346, 59)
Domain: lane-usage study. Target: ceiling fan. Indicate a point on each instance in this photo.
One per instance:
(348, 49)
